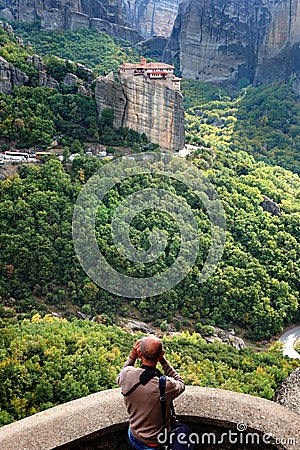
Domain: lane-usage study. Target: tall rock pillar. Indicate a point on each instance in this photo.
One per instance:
(146, 106)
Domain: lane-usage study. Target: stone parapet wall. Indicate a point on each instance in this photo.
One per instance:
(288, 394)
(99, 421)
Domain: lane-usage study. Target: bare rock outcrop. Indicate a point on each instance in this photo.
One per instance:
(155, 44)
(145, 106)
(132, 20)
(218, 41)
(10, 77)
(70, 79)
(288, 394)
(270, 206)
(105, 15)
(225, 336)
(278, 56)
(135, 326)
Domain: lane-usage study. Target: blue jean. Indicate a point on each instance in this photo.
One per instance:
(136, 444)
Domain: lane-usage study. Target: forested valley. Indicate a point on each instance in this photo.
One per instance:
(246, 143)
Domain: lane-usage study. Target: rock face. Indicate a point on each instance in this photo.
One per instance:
(288, 394)
(220, 41)
(10, 77)
(155, 45)
(225, 40)
(135, 326)
(105, 15)
(151, 17)
(279, 55)
(227, 337)
(132, 20)
(146, 106)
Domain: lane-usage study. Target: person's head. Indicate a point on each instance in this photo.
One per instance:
(150, 350)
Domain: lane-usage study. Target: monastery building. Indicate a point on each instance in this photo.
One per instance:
(157, 71)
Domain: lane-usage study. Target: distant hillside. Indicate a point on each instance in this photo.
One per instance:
(46, 86)
(238, 138)
(263, 121)
(221, 42)
(105, 15)
(92, 48)
(255, 286)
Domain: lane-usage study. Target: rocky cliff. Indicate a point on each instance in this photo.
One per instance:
(279, 54)
(225, 40)
(151, 17)
(132, 20)
(104, 15)
(145, 106)
(10, 77)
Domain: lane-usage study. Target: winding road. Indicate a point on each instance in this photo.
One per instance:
(289, 338)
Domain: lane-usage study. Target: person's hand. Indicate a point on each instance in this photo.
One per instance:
(134, 354)
(161, 357)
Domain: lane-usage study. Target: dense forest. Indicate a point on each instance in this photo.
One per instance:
(96, 50)
(238, 139)
(263, 121)
(256, 284)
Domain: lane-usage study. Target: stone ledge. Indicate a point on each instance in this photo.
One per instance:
(101, 416)
(288, 394)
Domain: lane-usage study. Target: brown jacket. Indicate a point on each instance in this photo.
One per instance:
(143, 405)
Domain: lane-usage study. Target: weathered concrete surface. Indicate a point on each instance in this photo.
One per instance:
(288, 394)
(65, 423)
(102, 418)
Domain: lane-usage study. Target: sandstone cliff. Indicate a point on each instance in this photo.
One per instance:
(11, 77)
(225, 40)
(279, 54)
(105, 15)
(151, 17)
(145, 106)
(132, 20)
